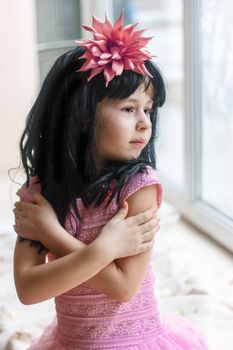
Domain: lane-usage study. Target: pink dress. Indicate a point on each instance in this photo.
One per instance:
(89, 320)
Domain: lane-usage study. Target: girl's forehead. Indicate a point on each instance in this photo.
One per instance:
(144, 90)
(144, 93)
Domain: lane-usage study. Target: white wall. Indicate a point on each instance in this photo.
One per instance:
(18, 85)
(18, 74)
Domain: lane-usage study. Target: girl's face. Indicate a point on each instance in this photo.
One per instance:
(123, 126)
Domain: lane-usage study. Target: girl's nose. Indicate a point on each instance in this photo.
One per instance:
(143, 122)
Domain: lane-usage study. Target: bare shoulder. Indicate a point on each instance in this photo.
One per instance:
(145, 198)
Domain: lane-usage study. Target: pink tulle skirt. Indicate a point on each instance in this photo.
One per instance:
(179, 334)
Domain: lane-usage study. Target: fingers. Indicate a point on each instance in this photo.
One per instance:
(148, 239)
(149, 225)
(146, 246)
(16, 225)
(21, 210)
(150, 235)
(142, 218)
(149, 229)
(17, 216)
(121, 214)
(20, 206)
(17, 206)
(36, 198)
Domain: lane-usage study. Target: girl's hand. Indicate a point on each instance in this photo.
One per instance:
(35, 219)
(130, 236)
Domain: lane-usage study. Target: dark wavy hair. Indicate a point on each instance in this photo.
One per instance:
(57, 142)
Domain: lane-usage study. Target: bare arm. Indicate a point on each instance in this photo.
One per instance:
(36, 281)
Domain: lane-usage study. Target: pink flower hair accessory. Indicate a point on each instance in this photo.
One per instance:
(114, 48)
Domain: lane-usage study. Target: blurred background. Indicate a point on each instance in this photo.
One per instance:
(193, 47)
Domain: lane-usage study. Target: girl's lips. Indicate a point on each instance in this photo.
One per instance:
(138, 143)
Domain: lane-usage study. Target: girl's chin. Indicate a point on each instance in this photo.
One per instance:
(127, 157)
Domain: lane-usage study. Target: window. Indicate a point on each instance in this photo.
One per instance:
(207, 200)
(58, 26)
(217, 105)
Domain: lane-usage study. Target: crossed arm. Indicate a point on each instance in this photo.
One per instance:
(36, 281)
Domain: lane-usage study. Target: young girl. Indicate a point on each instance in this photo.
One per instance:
(88, 147)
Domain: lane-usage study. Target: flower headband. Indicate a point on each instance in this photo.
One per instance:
(114, 48)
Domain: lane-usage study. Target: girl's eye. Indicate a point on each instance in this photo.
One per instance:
(148, 111)
(127, 109)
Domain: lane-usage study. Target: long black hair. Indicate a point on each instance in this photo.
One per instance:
(57, 142)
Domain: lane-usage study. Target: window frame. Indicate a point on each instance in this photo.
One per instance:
(189, 202)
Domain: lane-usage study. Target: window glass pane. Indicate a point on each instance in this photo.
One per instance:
(57, 20)
(47, 59)
(217, 104)
(163, 19)
(129, 10)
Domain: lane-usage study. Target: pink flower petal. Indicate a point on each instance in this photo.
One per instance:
(143, 41)
(122, 50)
(97, 24)
(108, 75)
(117, 36)
(140, 68)
(94, 72)
(86, 55)
(119, 42)
(108, 23)
(88, 28)
(81, 42)
(102, 45)
(145, 71)
(107, 27)
(88, 65)
(119, 22)
(128, 64)
(107, 31)
(117, 67)
(137, 55)
(116, 56)
(115, 53)
(105, 55)
(136, 35)
(98, 36)
(130, 27)
(103, 62)
(95, 51)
